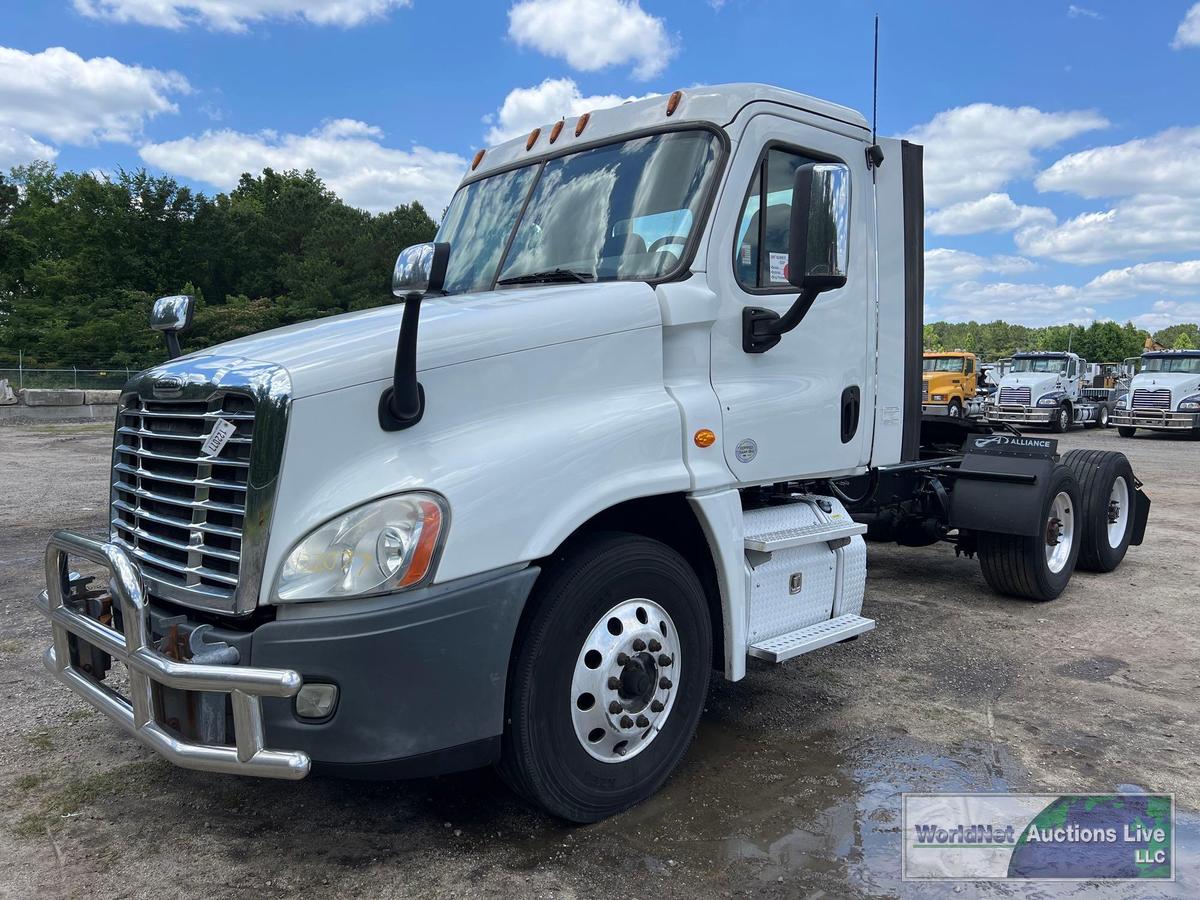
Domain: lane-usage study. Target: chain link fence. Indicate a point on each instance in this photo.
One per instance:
(79, 379)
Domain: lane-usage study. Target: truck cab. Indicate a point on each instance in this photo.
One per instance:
(625, 422)
(1164, 396)
(949, 384)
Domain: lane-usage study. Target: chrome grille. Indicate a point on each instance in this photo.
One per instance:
(924, 391)
(1017, 396)
(1156, 399)
(178, 511)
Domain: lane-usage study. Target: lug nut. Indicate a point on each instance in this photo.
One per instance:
(621, 751)
(626, 722)
(622, 659)
(656, 706)
(664, 683)
(639, 645)
(655, 646)
(613, 682)
(664, 660)
(643, 722)
(614, 707)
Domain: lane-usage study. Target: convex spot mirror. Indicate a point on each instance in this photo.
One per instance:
(819, 237)
(420, 269)
(171, 316)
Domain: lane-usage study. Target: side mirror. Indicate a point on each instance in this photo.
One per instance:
(818, 251)
(419, 270)
(172, 316)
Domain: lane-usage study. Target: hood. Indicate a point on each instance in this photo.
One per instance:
(1039, 383)
(1181, 384)
(360, 347)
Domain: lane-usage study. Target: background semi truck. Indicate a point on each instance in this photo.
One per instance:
(629, 422)
(949, 384)
(1164, 396)
(1054, 390)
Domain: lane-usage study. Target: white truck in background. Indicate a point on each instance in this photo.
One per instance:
(1164, 396)
(636, 408)
(1053, 390)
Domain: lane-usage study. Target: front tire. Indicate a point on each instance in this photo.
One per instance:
(1106, 490)
(1062, 419)
(1126, 430)
(1037, 567)
(597, 716)
(1104, 414)
(955, 410)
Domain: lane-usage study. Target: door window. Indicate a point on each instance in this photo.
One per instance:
(761, 254)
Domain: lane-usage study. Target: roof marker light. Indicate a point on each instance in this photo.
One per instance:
(533, 136)
(582, 124)
(477, 160)
(556, 130)
(673, 102)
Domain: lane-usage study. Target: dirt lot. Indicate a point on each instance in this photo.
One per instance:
(791, 789)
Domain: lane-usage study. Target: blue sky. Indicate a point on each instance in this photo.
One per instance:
(1063, 140)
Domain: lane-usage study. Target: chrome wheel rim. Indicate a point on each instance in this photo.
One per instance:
(1118, 512)
(1060, 532)
(1063, 421)
(954, 413)
(1104, 417)
(623, 687)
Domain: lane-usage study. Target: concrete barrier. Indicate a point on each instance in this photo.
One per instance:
(44, 405)
(42, 397)
(101, 398)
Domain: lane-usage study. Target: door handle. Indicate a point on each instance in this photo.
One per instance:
(851, 404)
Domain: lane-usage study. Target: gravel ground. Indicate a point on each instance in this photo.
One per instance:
(792, 788)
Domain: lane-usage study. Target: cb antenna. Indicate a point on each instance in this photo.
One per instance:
(875, 152)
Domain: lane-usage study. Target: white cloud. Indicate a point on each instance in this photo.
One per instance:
(945, 266)
(1145, 225)
(524, 109)
(348, 155)
(1188, 32)
(1148, 278)
(59, 95)
(993, 212)
(593, 34)
(1168, 312)
(1082, 12)
(976, 149)
(1029, 304)
(236, 15)
(17, 148)
(1168, 163)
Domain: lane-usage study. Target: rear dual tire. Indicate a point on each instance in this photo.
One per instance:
(1107, 493)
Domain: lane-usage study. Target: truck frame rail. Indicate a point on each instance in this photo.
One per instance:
(147, 669)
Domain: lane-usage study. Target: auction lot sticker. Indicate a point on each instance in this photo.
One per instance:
(1035, 837)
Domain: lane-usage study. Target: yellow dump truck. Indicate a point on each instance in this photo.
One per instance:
(950, 382)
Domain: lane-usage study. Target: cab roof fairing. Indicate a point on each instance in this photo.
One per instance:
(715, 106)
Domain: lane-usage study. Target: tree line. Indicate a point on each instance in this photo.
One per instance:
(82, 257)
(1098, 342)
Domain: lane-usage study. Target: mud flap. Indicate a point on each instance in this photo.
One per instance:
(1000, 486)
(1141, 514)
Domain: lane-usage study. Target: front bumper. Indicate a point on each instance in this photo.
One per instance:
(1161, 419)
(935, 409)
(421, 675)
(1028, 415)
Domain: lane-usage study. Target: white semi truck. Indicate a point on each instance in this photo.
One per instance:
(1052, 390)
(636, 409)
(1164, 396)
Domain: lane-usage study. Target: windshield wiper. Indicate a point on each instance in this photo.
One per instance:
(552, 275)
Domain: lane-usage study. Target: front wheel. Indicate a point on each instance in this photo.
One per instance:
(1103, 420)
(1126, 431)
(1037, 567)
(609, 680)
(955, 409)
(1062, 419)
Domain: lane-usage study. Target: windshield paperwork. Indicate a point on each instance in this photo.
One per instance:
(1187, 364)
(624, 211)
(1040, 364)
(942, 364)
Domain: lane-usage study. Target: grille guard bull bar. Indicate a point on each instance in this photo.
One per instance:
(147, 667)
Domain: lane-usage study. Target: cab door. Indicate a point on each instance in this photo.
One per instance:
(806, 406)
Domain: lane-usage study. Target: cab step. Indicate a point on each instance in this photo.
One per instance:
(793, 643)
(786, 538)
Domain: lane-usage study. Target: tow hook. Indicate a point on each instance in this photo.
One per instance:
(212, 706)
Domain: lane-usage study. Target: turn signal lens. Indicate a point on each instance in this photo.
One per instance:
(556, 131)
(673, 102)
(704, 438)
(533, 136)
(477, 160)
(582, 124)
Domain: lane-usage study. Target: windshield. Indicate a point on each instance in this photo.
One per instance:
(942, 364)
(1188, 364)
(624, 211)
(1040, 364)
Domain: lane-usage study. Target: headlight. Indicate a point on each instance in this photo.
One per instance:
(939, 396)
(383, 546)
(1190, 404)
(1122, 402)
(1048, 400)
